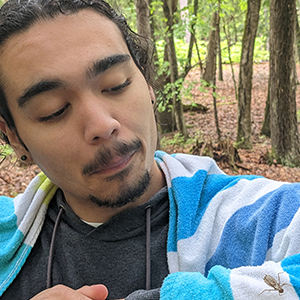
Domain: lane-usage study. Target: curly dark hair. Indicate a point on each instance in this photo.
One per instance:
(17, 16)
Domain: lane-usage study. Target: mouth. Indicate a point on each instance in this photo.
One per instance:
(113, 160)
(117, 164)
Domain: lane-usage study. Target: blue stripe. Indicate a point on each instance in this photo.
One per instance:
(250, 232)
(172, 240)
(220, 278)
(158, 156)
(12, 252)
(291, 265)
(188, 191)
(193, 285)
(7, 207)
(10, 269)
(10, 236)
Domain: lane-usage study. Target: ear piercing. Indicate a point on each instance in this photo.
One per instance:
(152, 101)
(23, 157)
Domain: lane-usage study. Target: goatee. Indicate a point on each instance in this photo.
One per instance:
(126, 194)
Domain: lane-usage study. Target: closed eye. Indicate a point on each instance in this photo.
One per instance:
(55, 115)
(119, 88)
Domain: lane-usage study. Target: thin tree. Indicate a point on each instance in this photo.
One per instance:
(220, 76)
(215, 107)
(173, 78)
(169, 7)
(265, 129)
(143, 17)
(244, 128)
(229, 44)
(297, 35)
(283, 112)
(208, 75)
(143, 23)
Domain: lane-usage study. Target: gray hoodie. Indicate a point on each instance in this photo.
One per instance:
(114, 254)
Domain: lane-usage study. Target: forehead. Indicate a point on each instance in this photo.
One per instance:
(58, 47)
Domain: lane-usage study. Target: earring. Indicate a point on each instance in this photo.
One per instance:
(23, 157)
(152, 101)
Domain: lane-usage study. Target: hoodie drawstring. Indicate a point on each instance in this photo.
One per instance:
(51, 251)
(148, 247)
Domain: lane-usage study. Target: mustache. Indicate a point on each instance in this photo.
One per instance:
(105, 155)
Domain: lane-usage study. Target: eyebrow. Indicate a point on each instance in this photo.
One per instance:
(36, 89)
(98, 67)
(106, 63)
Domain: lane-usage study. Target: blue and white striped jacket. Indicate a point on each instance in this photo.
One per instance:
(227, 234)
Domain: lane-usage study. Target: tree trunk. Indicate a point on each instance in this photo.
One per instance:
(199, 59)
(284, 130)
(169, 7)
(244, 130)
(266, 127)
(297, 35)
(165, 121)
(220, 77)
(228, 38)
(192, 41)
(215, 107)
(143, 17)
(265, 130)
(152, 35)
(165, 118)
(208, 75)
(144, 28)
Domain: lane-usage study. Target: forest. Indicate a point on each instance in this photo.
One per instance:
(208, 36)
(227, 77)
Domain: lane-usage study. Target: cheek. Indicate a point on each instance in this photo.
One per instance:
(47, 158)
(143, 124)
(51, 152)
(56, 163)
(147, 130)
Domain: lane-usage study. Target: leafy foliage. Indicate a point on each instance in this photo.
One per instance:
(232, 15)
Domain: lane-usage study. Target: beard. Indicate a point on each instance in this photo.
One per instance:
(127, 194)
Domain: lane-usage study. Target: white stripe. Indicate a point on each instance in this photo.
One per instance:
(173, 262)
(196, 251)
(31, 211)
(192, 163)
(36, 227)
(22, 202)
(187, 166)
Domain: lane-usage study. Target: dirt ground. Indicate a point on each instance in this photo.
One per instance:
(14, 177)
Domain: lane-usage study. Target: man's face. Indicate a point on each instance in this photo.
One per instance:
(82, 108)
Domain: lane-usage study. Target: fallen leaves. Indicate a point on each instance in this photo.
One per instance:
(15, 176)
(202, 125)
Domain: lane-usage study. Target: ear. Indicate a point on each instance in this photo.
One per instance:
(152, 94)
(14, 140)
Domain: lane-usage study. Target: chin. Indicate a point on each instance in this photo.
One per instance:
(127, 194)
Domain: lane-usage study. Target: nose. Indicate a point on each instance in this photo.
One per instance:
(99, 121)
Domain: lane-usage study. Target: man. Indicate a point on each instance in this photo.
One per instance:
(76, 98)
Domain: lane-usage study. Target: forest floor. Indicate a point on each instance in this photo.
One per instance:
(14, 177)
